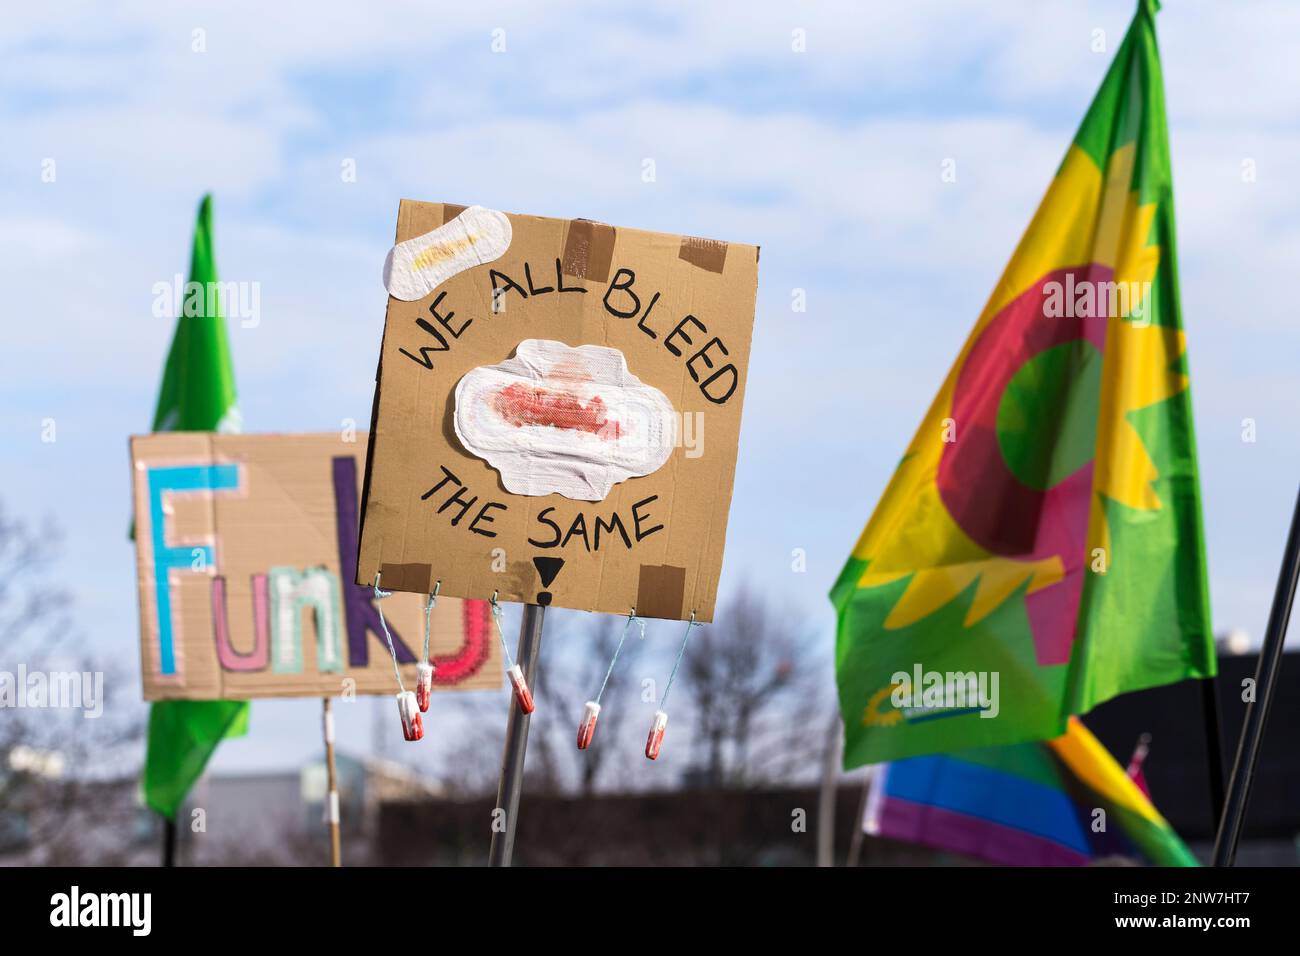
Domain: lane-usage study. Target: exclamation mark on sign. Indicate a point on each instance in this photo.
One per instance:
(547, 569)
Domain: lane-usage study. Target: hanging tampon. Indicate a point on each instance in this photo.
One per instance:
(408, 708)
(522, 693)
(587, 729)
(423, 685)
(516, 673)
(656, 738)
(409, 711)
(424, 670)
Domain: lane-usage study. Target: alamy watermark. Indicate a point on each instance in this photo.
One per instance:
(175, 298)
(923, 693)
(72, 690)
(1087, 299)
(131, 911)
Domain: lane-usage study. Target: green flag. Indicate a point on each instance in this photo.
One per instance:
(1039, 547)
(182, 736)
(197, 394)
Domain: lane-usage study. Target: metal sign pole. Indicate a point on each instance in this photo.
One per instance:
(512, 758)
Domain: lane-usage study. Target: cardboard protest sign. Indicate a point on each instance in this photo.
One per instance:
(245, 549)
(557, 411)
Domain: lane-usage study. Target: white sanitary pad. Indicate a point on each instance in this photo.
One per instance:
(416, 267)
(558, 419)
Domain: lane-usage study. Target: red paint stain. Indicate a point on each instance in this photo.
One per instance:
(586, 730)
(521, 405)
(522, 694)
(423, 685)
(654, 742)
(414, 729)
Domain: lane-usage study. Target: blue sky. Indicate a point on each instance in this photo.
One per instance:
(830, 159)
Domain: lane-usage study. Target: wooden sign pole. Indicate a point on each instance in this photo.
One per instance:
(332, 796)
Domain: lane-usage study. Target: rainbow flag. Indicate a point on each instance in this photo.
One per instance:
(1039, 548)
(1063, 802)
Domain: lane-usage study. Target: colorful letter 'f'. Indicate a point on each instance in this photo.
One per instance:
(186, 479)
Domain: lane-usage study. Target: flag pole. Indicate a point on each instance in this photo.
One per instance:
(1213, 745)
(860, 824)
(332, 797)
(169, 841)
(1252, 731)
(826, 797)
(512, 757)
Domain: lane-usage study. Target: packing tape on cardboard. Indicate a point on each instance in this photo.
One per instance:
(588, 250)
(707, 254)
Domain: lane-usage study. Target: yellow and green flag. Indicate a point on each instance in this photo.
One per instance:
(1039, 548)
(197, 394)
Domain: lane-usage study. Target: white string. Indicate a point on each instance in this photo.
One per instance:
(379, 596)
(680, 651)
(496, 619)
(613, 660)
(428, 611)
